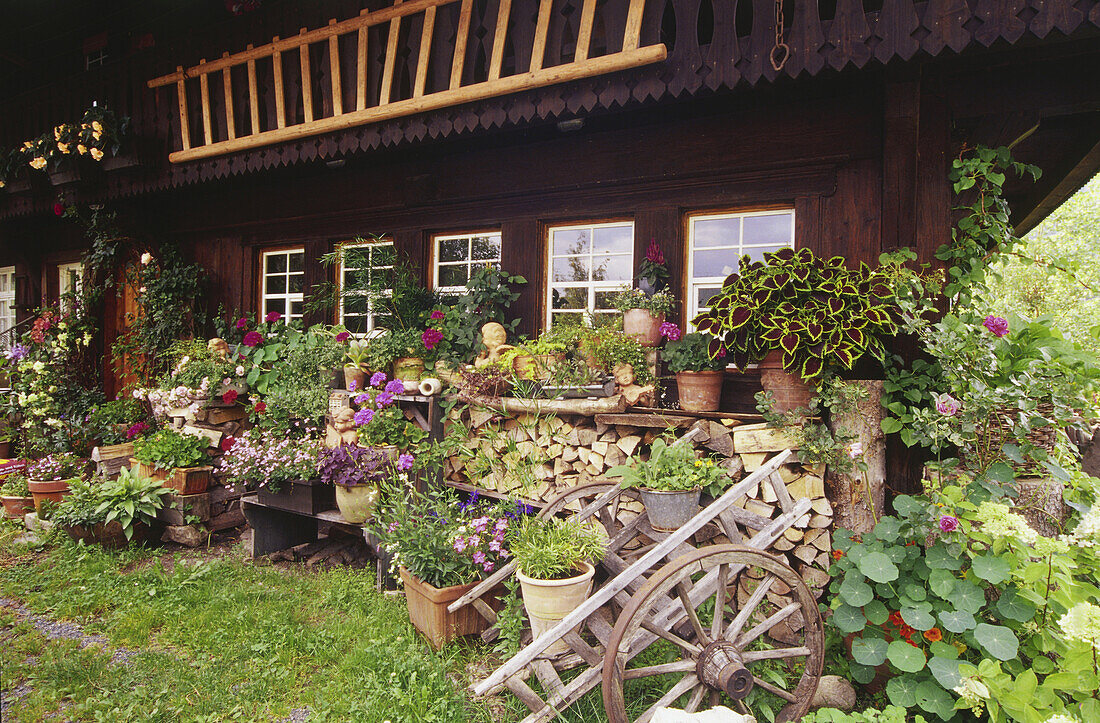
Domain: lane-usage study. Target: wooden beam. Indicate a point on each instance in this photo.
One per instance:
(584, 35)
(499, 37)
(633, 32)
(307, 81)
(230, 119)
(391, 60)
(462, 36)
(489, 89)
(361, 69)
(334, 72)
(253, 97)
(204, 98)
(425, 53)
(538, 50)
(185, 129)
(280, 94)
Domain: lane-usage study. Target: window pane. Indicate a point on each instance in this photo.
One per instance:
(357, 324)
(572, 241)
(612, 268)
(721, 263)
(294, 284)
(355, 305)
(603, 299)
(296, 308)
(573, 319)
(716, 232)
(278, 305)
(571, 269)
(773, 229)
(570, 298)
(756, 253)
(382, 255)
(704, 294)
(297, 260)
(276, 284)
(452, 249)
(486, 248)
(613, 239)
(452, 275)
(276, 263)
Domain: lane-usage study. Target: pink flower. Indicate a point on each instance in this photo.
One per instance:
(488, 566)
(431, 337)
(392, 527)
(947, 405)
(242, 323)
(479, 557)
(230, 396)
(405, 461)
(855, 450)
(272, 316)
(343, 336)
(460, 544)
(670, 331)
(379, 377)
(653, 254)
(252, 338)
(494, 545)
(437, 314)
(949, 523)
(721, 352)
(481, 524)
(996, 324)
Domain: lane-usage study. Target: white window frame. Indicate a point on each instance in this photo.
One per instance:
(70, 278)
(694, 284)
(591, 286)
(372, 330)
(7, 305)
(469, 263)
(287, 297)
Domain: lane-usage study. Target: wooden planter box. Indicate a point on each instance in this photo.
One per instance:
(185, 480)
(428, 610)
(307, 497)
(110, 459)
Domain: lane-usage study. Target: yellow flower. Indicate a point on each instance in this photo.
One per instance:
(1, 184)
(81, 149)
(28, 144)
(85, 125)
(57, 133)
(97, 154)
(97, 127)
(97, 135)
(63, 147)
(698, 463)
(38, 163)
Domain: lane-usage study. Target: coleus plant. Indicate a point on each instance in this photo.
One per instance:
(818, 312)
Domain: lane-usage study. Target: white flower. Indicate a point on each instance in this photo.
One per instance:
(855, 450)
(998, 521)
(39, 366)
(1089, 526)
(146, 258)
(239, 371)
(1062, 719)
(1082, 623)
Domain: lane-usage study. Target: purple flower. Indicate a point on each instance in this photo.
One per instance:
(396, 387)
(252, 338)
(947, 405)
(431, 337)
(479, 557)
(360, 398)
(460, 544)
(17, 352)
(353, 385)
(384, 399)
(364, 416)
(405, 461)
(343, 336)
(437, 314)
(949, 523)
(996, 324)
(653, 254)
(242, 323)
(670, 331)
(379, 377)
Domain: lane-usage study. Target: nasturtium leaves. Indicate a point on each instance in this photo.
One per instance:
(942, 583)
(1001, 472)
(902, 691)
(888, 529)
(957, 621)
(946, 671)
(1014, 607)
(855, 592)
(991, 568)
(941, 649)
(869, 651)
(935, 699)
(1042, 665)
(862, 674)
(968, 596)
(918, 619)
(876, 612)
(914, 592)
(878, 567)
(849, 619)
(940, 558)
(905, 657)
(998, 641)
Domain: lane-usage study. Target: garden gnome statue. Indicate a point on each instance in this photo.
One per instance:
(624, 377)
(218, 347)
(493, 336)
(341, 430)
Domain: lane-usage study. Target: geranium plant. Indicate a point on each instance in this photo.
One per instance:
(661, 302)
(691, 353)
(168, 449)
(270, 458)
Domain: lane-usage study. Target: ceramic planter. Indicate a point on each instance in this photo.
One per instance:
(354, 378)
(645, 326)
(110, 536)
(356, 502)
(788, 390)
(308, 497)
(408, 369)
(428, 610)
(669, 511)
(184, 480)
(548, 601)
(52, 490)
(700, 391)
(16, 507)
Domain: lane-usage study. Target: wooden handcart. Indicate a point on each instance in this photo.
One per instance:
(672, 624)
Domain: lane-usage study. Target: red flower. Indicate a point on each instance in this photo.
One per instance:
(260, 407)
(272, 316)
(911, 643)
(905, 631)
(343, 336)
(837, 554)
(252, 338)
(230, 396)
(242, 323)
(934, 635)
(895, 618)
(437, 314)
(58, 209)
(227, 443)
(431, 337)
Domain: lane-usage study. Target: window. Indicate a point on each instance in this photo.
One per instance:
(282, 284)
(716, 243)
(69, 277)
(7, 306)
(457, 256)
(588, 264)
(362, 266)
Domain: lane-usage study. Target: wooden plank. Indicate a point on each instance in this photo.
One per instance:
(633, 32)
(621, 581)
(523, 691)
(307, 79)
(499, 36)
(538, 50)
(253, 97)
(649, 421)
(462, 35)
(185, 127)
(759, 440)
(280, 94)
(724, 417)
(425, 53)
(204, 98)
(230, 119)
(780, 487)
(584, 35)
(361, 69)
(334, 72)
(391, 60)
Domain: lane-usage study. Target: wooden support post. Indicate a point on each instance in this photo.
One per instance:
(361, 67)
(584, 35)
(274, 530)
(499, 37)
(334, 72)
(462, 35)
(253, 96)
(848, 494)
(391, 59)
(185, 125)
(633, 32)
(204, 92)
(227, 89)
(307, 80)
(425, 52)
(538, 50)
(280, 94)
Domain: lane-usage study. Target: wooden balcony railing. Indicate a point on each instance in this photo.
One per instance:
(369, 107)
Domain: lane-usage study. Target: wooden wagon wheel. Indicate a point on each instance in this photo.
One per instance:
(776, 632)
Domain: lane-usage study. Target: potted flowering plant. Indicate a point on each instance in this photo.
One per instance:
(282, 468)
(381, 422)
(554, 566)
(178, 460)
(643, 313)
(355, 472)
(49, 477)
(356, 359)
(670, 482)
(653, 273)
(698, 374)
(16, 496)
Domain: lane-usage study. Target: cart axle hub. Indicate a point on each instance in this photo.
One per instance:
(720, 667)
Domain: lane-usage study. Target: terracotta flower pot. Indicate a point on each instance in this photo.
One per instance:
(548, 601)
(789, 390)
(428, 610)
(669, 511)
(700, 391)
(356, 502)
(408, 369)
(53, 490)
(645, 326)
(16, 507)
(356, 375)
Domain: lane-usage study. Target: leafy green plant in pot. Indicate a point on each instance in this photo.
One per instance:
(355, 471)
(356, 363)
(178, 460)
(114, 512)
(554, 566)
(699, 373)
(16, 496)
(799, 315)
(644, 313)
(671, 481)
(50, 477)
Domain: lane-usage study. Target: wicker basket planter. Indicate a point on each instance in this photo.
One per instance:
(998, 431)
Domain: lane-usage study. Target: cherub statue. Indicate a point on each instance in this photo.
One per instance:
(342, 429)
(493, 336)
(632, 392)
(218, 347)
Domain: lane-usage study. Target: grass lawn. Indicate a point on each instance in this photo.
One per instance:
(218, 637)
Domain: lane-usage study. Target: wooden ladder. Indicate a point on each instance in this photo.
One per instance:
(370, 110)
